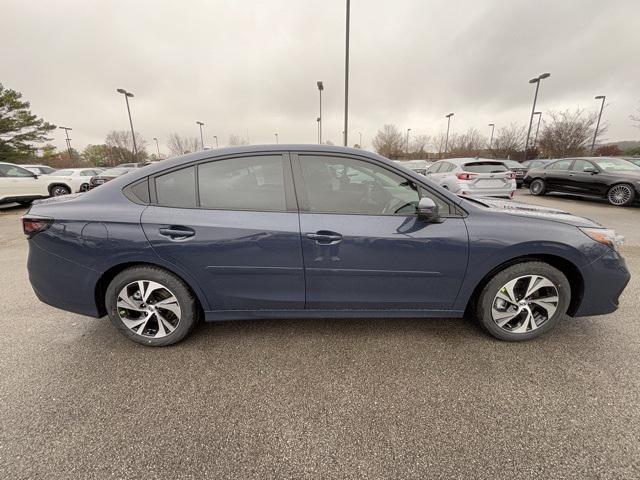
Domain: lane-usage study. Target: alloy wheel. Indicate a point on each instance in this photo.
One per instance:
(536, 187)
(57, 191)
(620, 194)
(148, 309)
(525, 303)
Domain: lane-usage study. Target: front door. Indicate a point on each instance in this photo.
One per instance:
(232, 224)
(365, 248)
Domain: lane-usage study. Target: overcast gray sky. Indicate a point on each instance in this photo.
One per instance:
(252, 66)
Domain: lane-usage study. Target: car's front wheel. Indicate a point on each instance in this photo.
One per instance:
(621, 195)
(151, 306)
(537, 187)
(523, 301)
(59, 190)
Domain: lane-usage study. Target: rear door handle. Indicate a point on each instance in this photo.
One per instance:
(177, 232)
(325, 237)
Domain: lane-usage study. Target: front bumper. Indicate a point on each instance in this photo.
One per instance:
(604, 281)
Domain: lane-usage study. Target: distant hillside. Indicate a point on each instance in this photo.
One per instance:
(625, 144)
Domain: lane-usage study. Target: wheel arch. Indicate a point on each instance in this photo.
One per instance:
(52, 185)
(107, 276)
(569, 269)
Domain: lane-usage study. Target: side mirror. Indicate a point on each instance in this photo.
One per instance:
(428, 210)
(591, 170)
(35, 175)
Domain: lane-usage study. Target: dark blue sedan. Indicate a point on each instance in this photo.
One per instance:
(311, 231)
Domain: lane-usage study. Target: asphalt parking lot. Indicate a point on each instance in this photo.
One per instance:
(319, 398)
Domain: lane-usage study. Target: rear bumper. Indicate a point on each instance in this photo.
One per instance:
(487, 192)
(61, 283)
(604, 281)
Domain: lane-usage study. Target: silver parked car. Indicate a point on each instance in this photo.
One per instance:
(474, 176)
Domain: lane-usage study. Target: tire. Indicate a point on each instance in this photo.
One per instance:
(621, 195)
(84, 187)
(157, 326)
(538, 187)
(58, 190)
(524, 317)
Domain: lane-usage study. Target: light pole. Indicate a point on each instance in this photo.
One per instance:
(360, 142)
(276, 137)
(446, 142)
(493, 126)
(595, 135)
(157, 146)
(535, 138)
(346, 78)
(133, 134)
(201, 136)
(407, 142)
(320, 89)
(68, 141)
(216, 137)
(535, 80)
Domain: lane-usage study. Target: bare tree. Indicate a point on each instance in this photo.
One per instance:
(509, 142)
(389, 142)
(235, 140)
(568, 133)
(635, 118)
(120, 145)
(469, 144)
(418, 146)
(439, 143)
(180, 145)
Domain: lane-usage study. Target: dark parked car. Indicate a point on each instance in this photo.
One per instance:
(311, 231)
(614, 179)
(108, 175)
(517, 168)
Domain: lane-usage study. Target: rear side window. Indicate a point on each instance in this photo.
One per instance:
(244, 183)
(560, 165)
(484, 167)
(177, 189)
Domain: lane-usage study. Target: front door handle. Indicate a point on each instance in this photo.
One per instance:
(177, 232)
(325, 237)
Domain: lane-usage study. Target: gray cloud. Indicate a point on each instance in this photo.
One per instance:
(252, 66)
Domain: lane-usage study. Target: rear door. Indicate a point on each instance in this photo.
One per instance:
(232, 224)
(557, 176)
(364, 246)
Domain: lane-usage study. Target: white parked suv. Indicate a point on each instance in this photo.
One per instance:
(71, 180)
(473, 176)
(18, 184)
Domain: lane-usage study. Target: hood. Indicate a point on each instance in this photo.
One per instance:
(534, 211)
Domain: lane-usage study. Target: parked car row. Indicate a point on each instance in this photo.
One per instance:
(614, 179)
(25, 183)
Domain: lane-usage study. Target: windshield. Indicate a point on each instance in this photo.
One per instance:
(617, 165)
(114, 172)
(484, 167)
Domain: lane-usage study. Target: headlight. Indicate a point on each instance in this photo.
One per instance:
(606, 236)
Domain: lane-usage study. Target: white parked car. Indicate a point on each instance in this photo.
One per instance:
(20, 185)
(39, 169)
(473, 176)
(71, 180)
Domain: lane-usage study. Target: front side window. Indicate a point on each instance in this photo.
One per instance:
(560, 165)
(177, 189)
(349, 186)
(244, 183)
(14, 171)
(617, 165)
(582, 166)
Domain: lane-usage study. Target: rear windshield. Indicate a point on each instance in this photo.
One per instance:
(484, 167)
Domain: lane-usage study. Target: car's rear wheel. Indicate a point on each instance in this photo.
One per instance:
(523, 301)
(538, 187)
(58, 190)
(621, 195)
(151, 306)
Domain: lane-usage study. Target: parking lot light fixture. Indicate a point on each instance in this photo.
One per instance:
(407, 142)
(68, 141)
(133, 134)
(535, 80)
(157, 146)
(320, 89)
(595, 134)
(446, 142)
(276, 137)
(201, 136)
(318, 122)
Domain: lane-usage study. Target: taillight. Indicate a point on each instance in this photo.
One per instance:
(33, 225)
(465, 175)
